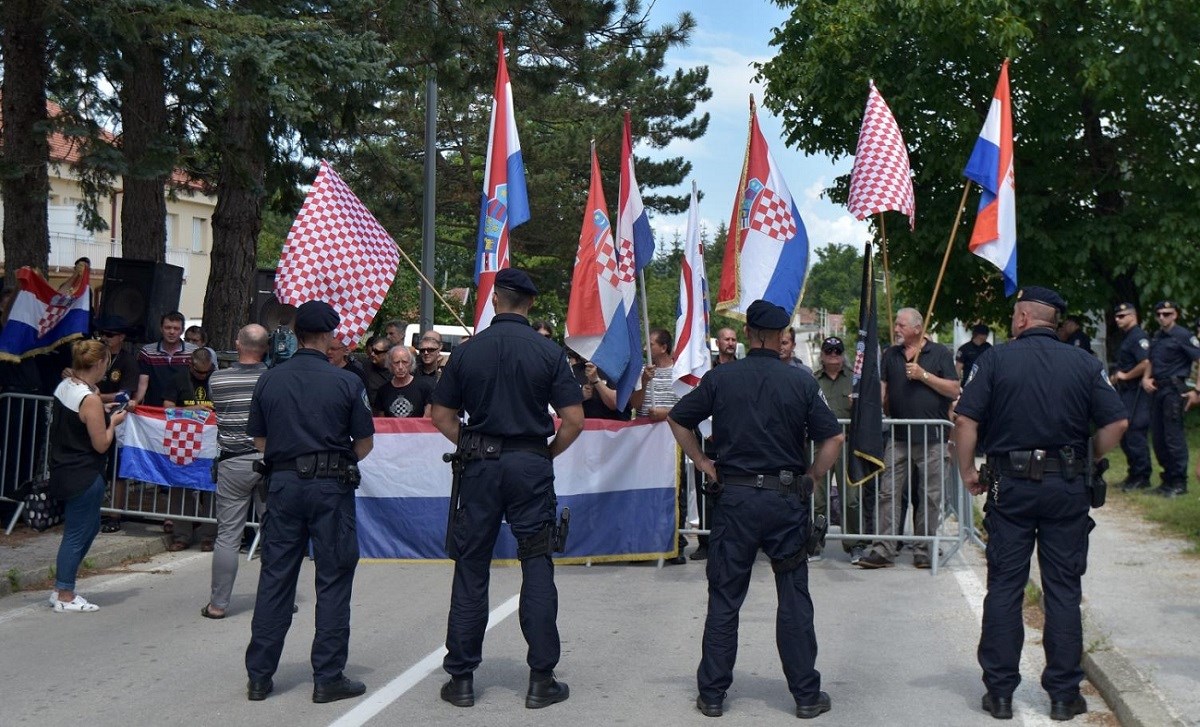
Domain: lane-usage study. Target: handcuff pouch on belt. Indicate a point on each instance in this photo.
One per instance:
(814, 545)
(329, 464)
(551, 538)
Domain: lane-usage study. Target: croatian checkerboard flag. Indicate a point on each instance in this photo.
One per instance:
(505, 202)
(42, 318)
(991, 167)
(172, 447)
(692, 358)
(602, 318)
(633, 224)
(881, 179)
(766, 251)
(337, 252)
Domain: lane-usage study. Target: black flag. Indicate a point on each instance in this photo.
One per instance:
(866, 406)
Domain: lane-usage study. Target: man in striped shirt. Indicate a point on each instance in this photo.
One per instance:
(231, 390)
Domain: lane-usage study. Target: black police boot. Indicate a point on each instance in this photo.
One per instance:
(1065, 711)
(459, 691)
(709, 709)
(998, 707)
(256, 691)
(1135, 483)
(808, 711)
(339, 689)
(544, 691)
(1172, 489)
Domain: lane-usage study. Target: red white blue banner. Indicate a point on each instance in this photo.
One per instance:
(505, 201)
(42, 318)
(766, 250)
(172, 447)
(991, 167)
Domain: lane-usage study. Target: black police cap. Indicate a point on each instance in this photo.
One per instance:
(980, 329)
(766, 316)
(316, 316)
(1045, 296)
(515, 279)
(1124, 308)
(1165, 305)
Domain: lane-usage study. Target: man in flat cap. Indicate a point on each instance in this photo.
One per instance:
(1172, 351)
(761, 408)
(1035, 402)
(507, 475)
(312, 422)
(1133, 358)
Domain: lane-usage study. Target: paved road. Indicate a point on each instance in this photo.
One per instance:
(897, 648)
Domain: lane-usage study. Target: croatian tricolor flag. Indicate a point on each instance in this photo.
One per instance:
(633, 224)
(991, 167)
(602, 319)
(505, 202)
(692, 358)
(766, 251)
(43, 318)
(173, 447)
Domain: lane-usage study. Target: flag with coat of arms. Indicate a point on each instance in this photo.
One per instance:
(602, 319)
(172, 447)
(991, 167)
(766, 250)
(42, 318)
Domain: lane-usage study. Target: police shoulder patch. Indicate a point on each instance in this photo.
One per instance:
(1195, 343)
(971, 376)
(363, 397)
(1145, 344)
(1104, 377)
(821, 393)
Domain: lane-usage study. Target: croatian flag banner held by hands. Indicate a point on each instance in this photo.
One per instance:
(337, 252)
(766, 250)
(692, 358)
(173, 447)
(881, 179)
(505, 201)
(991, 167)
(602, 320)
(618, 478)
(43, 318)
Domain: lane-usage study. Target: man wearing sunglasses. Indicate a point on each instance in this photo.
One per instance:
(1132, 361)
(1172, 351)
(429, 352)
(378, 371)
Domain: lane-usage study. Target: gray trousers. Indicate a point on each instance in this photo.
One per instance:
(236, 483)
(933, 466)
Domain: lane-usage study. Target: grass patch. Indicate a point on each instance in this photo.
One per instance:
(1179, 515)
(14, 578)
(1033, 594)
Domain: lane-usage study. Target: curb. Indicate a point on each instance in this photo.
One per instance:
(105, 555)
(1132, 698)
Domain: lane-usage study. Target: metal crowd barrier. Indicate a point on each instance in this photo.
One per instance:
(24, 455)
(945, 524)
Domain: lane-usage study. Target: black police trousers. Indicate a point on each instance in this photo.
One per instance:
(1166, 429)
(745, 520)
(297, 510)
(518, 487)
(1134, 443)
(1054, 514)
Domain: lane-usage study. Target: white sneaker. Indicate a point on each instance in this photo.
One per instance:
(79, 605)
(53, 596)
(816, 558)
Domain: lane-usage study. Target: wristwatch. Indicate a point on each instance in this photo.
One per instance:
(925, 376)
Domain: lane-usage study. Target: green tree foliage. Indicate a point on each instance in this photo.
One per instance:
(1105, 121)
(835, 279)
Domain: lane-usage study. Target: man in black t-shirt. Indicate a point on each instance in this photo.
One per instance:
(405, 395)
(971, 350)
(919, 382)
(190, 387)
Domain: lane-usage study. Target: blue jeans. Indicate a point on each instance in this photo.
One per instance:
(83, 522)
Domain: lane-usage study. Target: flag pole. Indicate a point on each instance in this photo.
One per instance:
(946, 257)
(887, 273)
(429, 283)
(645, 314)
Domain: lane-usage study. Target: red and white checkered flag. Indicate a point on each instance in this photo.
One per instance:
(337, 252)
(882, 179)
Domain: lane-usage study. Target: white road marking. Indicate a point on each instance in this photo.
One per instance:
(393, 690)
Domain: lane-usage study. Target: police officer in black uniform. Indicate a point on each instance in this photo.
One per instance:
(1034, 401)
(1172, 351)
(313, 424)
(763, 410)
(504, 379)
(1132, 362)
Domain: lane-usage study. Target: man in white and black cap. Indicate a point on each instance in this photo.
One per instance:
(761, 409)
(312, 422)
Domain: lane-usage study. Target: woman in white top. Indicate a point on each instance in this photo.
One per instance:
(81, 432)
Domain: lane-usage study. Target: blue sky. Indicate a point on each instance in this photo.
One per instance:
(729, 37)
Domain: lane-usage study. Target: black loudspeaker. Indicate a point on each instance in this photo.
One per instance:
(141, 292)
(266, 310)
